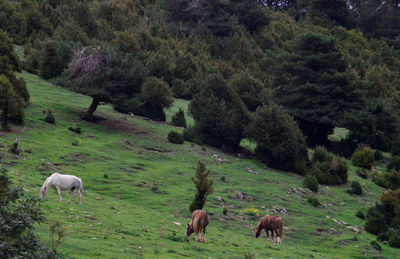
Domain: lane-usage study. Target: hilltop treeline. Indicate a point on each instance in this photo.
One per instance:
(325, 63)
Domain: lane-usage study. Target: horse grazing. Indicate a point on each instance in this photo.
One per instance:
(63, 182)
(271, 223)
(199, 223)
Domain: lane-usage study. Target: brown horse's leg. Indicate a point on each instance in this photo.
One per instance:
(204, 234)
(266, 231)
(277, 236)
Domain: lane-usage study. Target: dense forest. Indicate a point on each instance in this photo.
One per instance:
(283, 74)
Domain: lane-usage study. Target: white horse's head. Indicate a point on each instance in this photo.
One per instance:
(43, 191)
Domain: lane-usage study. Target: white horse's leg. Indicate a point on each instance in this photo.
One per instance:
(59, 192)
(71, 195)
(80, 196)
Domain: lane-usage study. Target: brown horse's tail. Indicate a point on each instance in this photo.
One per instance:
(281, 230)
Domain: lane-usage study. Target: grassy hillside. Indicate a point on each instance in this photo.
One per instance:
(138, 188)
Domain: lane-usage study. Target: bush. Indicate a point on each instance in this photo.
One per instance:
(219, 113)
(190, 134)
(314, 201)
(384, 236)
(375, 245)
(156, 93)
(362, 173)
(375, 222)
(363, 157)
(225, 211)
(321, 155)
(394, 163)
(50, 118)
(19, 215)
(175, 137)
(332, 172)
(77, 142)
(355, 188)
(178, 119)
(394, 240)
(360, 214)
(280, 143)
(387, 180)
(311, 182)
(76, 130)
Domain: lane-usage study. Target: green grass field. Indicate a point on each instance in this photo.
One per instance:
(137, 189)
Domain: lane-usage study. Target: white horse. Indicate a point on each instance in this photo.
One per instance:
(63, 182)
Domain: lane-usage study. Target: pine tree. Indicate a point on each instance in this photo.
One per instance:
(203, 185)
(314, 88)
(280, 143)
(219, 113)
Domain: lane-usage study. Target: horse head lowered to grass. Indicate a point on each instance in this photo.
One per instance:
(197, 225)
(271, 223)
(63, 182)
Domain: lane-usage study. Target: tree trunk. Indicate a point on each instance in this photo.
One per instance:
(92, 108)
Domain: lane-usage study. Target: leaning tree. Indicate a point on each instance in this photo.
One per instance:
(106, 75)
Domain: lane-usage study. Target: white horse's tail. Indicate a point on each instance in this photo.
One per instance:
(80, 192)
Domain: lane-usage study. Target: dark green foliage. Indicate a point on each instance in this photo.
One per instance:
(344, 148)
(311, 182)
(54, 58)
(175, 137)
(384, 236)
(108, 76)
(355, 188)
(14, 95)
(190, 134)
(360, 214)
(18, 215)
(384, 218)
(156, 96)
(280, 143)
(220, 115)
(248, 88)
(375, 224)
(314, 201)
(362, 173)
(332, 11)
(161, 66)
(220, 17)
(333, 171)
(321, 155)
(11, 104)
(178, 119)
(50, 118)
(375, 125)
(363, 157)
(75, 129)
(388, 180)
(394, 163)
(316, 69)
(225, 211)
(375, 245)
(203, 185)
(378, 156)
(394, 241)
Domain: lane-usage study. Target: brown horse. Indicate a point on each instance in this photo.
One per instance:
(199, 223)
(271, 223)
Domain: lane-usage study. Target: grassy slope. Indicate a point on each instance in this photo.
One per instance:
(121, 217)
